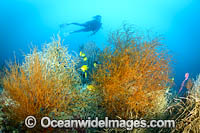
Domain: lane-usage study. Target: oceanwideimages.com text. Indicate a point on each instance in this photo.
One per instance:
(46, 122)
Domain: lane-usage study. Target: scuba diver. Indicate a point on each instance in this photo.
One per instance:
(92, 25)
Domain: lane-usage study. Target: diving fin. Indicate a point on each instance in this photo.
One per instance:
(66, 34)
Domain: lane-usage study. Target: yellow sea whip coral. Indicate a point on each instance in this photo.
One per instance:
(45, 83)
(133, 75)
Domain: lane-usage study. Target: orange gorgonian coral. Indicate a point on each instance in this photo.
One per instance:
(132, 75)
(45, 83)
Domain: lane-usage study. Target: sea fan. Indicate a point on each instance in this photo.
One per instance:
(46, 84)
(133, 75)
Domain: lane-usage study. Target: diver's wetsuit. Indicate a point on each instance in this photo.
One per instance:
(93, 25)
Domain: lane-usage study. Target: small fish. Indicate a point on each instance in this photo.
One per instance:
(173, 79)
(85, 59)
(85, 74)
(84, 68)
(90, 87)
(82, 54)
(95, 64)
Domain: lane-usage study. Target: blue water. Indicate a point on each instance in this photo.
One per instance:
(26, 22)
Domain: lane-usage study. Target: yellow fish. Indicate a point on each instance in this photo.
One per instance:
(82, 54)
(85, 59)
(95, 64)
(84, 68)
(90, 87)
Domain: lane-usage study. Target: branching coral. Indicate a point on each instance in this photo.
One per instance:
(133, 75)
(45, 83)
(188, 110)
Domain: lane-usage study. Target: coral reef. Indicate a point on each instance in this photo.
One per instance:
(133, 75)
(186, 111)
(129, 79)
(45, 84)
